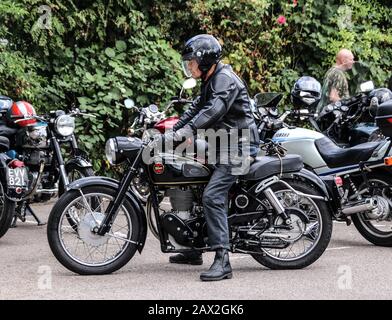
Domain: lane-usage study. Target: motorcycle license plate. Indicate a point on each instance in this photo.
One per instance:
(17, 177)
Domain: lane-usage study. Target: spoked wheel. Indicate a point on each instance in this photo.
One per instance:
(74, 172)
(7, 209)
(310, 232)
(80, 249)
(377, 229)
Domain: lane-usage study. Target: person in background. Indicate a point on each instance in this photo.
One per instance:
(335, 85)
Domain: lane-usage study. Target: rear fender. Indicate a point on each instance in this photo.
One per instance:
(324, 187)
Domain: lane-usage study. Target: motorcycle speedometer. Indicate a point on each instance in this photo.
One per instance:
(65, 125)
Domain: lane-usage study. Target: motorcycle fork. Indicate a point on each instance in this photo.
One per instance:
(74, 143)
(163, 238)
(60, 160)
(114, 206)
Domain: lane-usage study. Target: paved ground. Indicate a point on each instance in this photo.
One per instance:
(351, 268)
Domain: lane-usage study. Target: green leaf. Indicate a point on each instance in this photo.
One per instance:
(110, 52)
(121, 45)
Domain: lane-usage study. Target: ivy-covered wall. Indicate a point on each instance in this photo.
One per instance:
(94, 53)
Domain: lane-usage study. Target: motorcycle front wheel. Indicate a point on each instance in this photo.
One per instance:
(81, 250)
(309, 238)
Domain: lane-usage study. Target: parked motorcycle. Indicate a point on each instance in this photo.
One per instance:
(362, 173)
(37, 141)
(350, 122)
(278, 212)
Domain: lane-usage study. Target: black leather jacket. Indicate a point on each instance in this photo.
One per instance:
(223, 104)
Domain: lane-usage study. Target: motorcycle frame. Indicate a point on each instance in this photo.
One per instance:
(132, 171)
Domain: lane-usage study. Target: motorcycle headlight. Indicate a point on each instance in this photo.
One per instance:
(111, 151)
(65, 125)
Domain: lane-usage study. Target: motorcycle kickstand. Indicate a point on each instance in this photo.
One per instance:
(14, 220)
(20, 213)
(39, 222)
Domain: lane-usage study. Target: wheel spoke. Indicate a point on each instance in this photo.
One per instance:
(304, 233)
(81, 243)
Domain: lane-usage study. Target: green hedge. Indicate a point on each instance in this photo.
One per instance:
(96, 53)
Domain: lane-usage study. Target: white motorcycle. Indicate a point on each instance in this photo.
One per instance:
(362, 190)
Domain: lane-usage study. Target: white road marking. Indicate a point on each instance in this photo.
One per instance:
(338, 248)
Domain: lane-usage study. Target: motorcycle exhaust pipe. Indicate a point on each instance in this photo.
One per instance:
(367, 205)
(38, 191)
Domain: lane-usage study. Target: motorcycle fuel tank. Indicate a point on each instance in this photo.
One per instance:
(172, 169)
(301, 141)
(166, 124)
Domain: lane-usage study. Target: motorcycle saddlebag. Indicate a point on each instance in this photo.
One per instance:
(384, 118)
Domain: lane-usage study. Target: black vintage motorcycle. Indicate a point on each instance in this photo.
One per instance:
(38, 145)
(278, 212)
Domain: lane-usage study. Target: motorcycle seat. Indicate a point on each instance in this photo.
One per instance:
(266, 166)
(335, 156)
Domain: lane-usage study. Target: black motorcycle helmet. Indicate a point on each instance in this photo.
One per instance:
(5, 103)
(306, 93)
(205, 49)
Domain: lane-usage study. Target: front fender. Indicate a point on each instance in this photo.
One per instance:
(133, 200)
(80, 162)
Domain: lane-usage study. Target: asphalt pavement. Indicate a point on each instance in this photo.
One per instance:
(351, 268)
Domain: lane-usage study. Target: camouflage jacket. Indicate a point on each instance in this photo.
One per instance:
(334, 78)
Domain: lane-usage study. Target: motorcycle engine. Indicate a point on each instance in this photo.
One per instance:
(184, 222)
(33, 137)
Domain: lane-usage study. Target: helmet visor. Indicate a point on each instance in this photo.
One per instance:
(186, 68)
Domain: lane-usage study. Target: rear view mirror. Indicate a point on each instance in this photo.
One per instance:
(367, 86)
(129, 103)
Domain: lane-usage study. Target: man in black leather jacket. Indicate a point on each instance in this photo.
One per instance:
(224, 104)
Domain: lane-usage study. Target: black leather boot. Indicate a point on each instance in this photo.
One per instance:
(220, 269)
(192, 257)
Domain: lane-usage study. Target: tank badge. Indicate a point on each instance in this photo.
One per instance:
(158, 168)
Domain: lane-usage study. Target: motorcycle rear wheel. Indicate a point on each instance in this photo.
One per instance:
(372, 232)
(281, 260)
